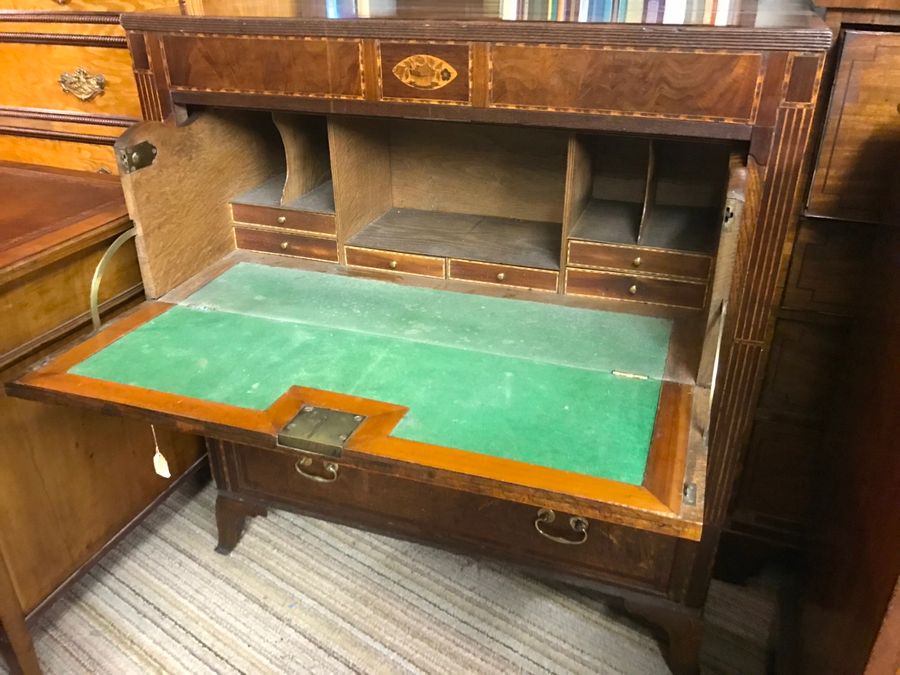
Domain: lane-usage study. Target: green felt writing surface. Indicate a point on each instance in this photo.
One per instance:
(461, 390)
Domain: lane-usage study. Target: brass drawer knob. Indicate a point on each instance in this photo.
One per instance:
(331, 469)
(578, 525)
(632, 290)
(283, 245)
(636, 262)
(281, 220)
(82, 85)
(501, 276)
(393, 264)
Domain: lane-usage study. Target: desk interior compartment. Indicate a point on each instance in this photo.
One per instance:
(626, 194)
(491, 194)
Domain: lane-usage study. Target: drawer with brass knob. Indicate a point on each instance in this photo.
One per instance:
(650, 289)
(299, 245)
(302, 221)
(423, 265)
(507, 275)
(666, 262)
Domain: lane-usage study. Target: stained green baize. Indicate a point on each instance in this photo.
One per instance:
(524, 380)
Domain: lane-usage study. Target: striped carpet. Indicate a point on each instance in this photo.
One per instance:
(303, 596)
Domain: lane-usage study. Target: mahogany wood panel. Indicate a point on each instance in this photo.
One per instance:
(33, 72)
(829, 266)
(635, 259)
(504, 275)
(861, 138)
(655, 290)
(703, 85)
(305, 221)
(266, 64)
(396, 262)
(284, 243)
(63, 154)
(449, 67)
(400, 506)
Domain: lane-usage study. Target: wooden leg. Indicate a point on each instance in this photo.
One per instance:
(683, 627)
(16, 645)
(231, 516)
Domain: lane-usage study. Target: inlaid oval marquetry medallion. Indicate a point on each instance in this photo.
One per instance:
(424, 71)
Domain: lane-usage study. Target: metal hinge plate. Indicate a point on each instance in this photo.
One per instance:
(690, 494)
(136, 157)
(320, 430)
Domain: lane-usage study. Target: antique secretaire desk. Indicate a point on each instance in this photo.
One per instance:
(479, 274)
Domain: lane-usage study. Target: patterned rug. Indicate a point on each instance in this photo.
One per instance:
(304, 596)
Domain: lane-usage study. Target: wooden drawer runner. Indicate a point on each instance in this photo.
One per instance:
(270, 65)
(429, 512)
(504, 275)
(636, 288)
(305, 221)
(286, 243)
(34, 70)
(635, 259)
(397, 262)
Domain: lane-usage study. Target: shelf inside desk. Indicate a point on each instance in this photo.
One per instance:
(319, 199)
(492, 239)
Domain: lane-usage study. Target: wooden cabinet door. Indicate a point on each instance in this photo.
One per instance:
(861, 140)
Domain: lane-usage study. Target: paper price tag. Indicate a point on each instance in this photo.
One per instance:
(160, 464)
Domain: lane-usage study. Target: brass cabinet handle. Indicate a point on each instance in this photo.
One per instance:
(330, 467)
(578, 524)
(501, 276)
(82, 85)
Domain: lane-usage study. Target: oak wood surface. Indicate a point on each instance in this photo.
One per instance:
(305, 141)
(181, 233)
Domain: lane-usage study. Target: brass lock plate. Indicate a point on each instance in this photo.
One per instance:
(320, 430)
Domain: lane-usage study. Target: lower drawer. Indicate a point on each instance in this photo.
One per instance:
(398, 262)
(301, 246)
(504, 275)
(442, 515)
(636, 288)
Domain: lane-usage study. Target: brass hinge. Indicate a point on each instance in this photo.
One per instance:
(136, 157)
(320, 430)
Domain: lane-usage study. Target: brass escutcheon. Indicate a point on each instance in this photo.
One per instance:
(82, 85)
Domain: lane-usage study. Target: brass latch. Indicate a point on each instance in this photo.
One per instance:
(136, 157)
(319, 430)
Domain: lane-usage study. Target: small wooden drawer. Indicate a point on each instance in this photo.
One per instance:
(636, 288)
(69, 78)
(297, 245)
(423, 71)
(505, 275)
(396, 262)
(305, 221)
(636, 259)
(444, 515)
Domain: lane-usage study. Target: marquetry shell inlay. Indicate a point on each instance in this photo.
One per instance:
(424, 71)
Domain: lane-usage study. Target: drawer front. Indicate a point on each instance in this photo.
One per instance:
(634, 259)
(544, 77)
(58, 154)
(86, 5)
(285, 243)
(636, 288)
(444, 515)
(396, 262)
(305, 221)
(504, 275)
(97, 80)
(426, 72)
(266, 65)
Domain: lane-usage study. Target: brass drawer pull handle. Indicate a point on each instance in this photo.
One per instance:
(330, 467)
(392, 264)
(579, 527)
(501, 276)
(281, 220)
(82, 85)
